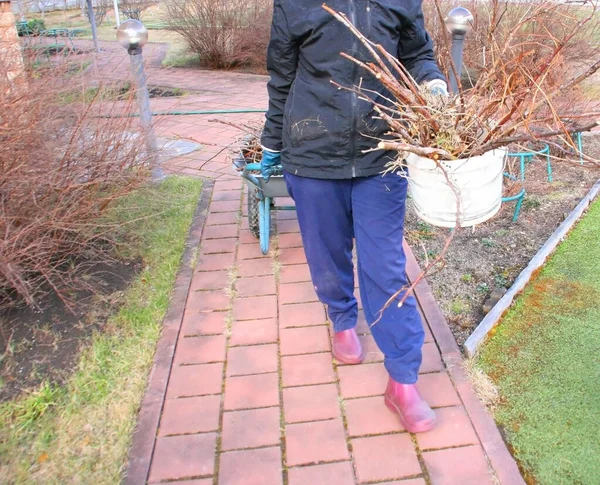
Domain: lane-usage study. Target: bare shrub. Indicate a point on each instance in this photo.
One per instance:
(133, 8)
(225, 34)
(61, 167)
(498, 30)
(101, 8)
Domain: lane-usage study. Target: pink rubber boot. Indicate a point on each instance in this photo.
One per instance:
(406, 401)
(347, 348)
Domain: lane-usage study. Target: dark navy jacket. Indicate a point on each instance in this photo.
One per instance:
(322, 130)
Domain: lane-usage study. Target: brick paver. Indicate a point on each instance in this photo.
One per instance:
(186, 456)
(296, 273)
(253, 332)
(311, 403)
(304, 340)
(258, 286)
(190, 415)
(385, 457)
(306, 370)
(203, 323)
(453, 429)
(301, 314)
(209, 301)
(362, 380)
(458, 466)
(255, 359)
(216, 280)
(328, 474)
(200, 350)
(195, 380)
(316, 442)
(251, 467)
(254, 395)
(256, 391)
(360, 414)
(253, 428)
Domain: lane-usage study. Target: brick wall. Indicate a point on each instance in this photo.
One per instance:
(11, 61)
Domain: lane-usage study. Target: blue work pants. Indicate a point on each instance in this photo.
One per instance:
(331, 214)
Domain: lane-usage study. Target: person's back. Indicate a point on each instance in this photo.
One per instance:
(325, 128)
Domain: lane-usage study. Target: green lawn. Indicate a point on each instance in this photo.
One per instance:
(545, 360)
(80, 432)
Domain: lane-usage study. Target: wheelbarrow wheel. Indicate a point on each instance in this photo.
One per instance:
(253, 214)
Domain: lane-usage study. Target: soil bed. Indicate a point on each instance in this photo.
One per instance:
(159, 92)
(45, 344)
(492, 255)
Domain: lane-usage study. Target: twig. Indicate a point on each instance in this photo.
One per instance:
(433, 153)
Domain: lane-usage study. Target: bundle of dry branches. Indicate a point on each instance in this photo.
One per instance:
(513, 101)
(516, 98)
(246, 148)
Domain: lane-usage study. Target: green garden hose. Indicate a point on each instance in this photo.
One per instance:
(187, 113)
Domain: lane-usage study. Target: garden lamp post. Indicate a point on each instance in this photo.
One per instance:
(132, 35)
(459, 23)
(116, 7)
(92, 19)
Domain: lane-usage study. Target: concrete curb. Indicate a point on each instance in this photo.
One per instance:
(480, 334)
(142, 447)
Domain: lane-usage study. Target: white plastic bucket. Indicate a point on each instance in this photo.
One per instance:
(479, 184)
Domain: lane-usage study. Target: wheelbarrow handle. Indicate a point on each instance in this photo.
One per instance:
(252, 178)
(253, 166)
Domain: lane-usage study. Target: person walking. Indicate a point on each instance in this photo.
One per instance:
(322, 136)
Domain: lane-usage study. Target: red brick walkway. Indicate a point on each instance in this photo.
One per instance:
(245, 390)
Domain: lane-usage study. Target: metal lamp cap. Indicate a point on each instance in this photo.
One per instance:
(459, 21)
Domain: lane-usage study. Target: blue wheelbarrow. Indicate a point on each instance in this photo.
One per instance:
(261, 198)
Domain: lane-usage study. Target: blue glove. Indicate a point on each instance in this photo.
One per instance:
(438, 87)
(269, 160)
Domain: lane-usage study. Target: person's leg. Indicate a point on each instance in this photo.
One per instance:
(379, 205)
(324, 212)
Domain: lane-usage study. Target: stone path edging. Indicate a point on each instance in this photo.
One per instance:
(478, 337)
(485, 426)
(144, 437)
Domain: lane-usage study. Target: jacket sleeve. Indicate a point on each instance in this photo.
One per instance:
(282, 62)
(416, 51)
